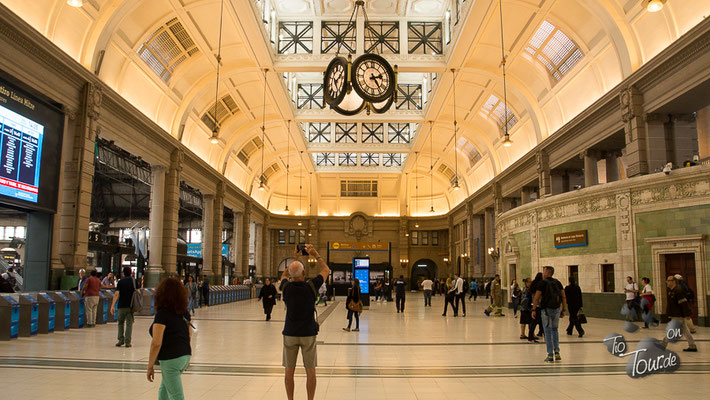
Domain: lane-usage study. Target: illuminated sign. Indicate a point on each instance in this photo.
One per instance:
(571, 239)
(368, 246)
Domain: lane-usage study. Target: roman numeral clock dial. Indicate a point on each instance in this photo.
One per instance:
(372, 78)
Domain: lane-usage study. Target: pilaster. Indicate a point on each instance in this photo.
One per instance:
(208, 210)
(155, 242)
(171, 210)
(636, 156)
(217, 225)
(246, 221)
(543, 173)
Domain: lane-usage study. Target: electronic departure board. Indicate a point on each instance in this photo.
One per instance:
(20, 155)
(31, 130)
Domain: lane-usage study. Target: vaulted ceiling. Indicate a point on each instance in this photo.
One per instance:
(562, 55)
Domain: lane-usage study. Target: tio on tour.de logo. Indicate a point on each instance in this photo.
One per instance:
(651, 355)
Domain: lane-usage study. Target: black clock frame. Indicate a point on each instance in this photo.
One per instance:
(388, 70)
(334, 101)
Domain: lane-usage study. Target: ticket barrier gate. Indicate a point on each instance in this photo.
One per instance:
(77, 309)
(47, 313)
(148, 302)
(9, 317)
(109, 293)
(29, 314)
(62, 313)
(102, 308)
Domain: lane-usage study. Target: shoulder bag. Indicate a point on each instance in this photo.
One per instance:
(136, 298)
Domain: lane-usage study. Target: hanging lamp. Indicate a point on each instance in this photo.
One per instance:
(75, 3)
(288, 158)
(456, 158)
(214, 139)
(506, 141)
(262, 185)
(654, 5)
(431, 166)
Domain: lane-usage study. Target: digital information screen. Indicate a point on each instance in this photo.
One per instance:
(362, 273)
(362, 263)
(20, 155)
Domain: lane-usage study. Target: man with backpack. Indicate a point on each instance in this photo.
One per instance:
(125, 289)
(550, 297)
(690, 296)
(678, 309)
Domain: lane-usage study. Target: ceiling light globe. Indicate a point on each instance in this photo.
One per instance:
(654, 6)
(214, 140)
(75, 3)
(261, 186)
(507, 142)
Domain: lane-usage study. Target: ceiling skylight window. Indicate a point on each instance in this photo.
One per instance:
(554, 50)
(495, 109)
(469, 150)
(166, 48)
(226, 107)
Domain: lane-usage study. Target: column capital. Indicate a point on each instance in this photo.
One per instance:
(207, 196)
(657, 118)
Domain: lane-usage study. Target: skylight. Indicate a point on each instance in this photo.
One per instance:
(495, 109)
(554, 50)
(166, 48)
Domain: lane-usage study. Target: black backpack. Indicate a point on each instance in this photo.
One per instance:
(552, 297)
(687, 292)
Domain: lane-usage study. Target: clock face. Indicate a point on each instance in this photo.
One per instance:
(373, 78)
(335, 81)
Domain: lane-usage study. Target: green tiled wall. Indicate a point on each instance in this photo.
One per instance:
(672, 222)
(524, 264)
(603, 305)
(601, 234)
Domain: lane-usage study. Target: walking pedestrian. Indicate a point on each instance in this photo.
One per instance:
(90, 291)
(353, 305)
(171, 331)
(496, 298)
(474, 290)
(427, 285)
(515, 293)
(550, 296)
(460, 295)
(678, 309)
(323, 294)
(124, 295)
(573, 293)
(449, 298)
(400, 295)
(648, 299)
(632, 301)
(690, 296)
(267, 295)
(191, 294)
(205, 291)
(301, 328)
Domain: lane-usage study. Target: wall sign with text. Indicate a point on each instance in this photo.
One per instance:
(571, 239)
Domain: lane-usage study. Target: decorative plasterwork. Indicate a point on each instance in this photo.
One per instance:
(358, 226)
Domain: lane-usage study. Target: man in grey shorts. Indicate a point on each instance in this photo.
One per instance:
(300, 328)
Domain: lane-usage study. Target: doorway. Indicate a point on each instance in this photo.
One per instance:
(421, 270)
(684, 264)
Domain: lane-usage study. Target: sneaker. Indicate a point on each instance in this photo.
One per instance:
(557, 356)
(346, 329)
(119, 344)
(488, 313)
(581, 334)
(523, 337)
(356, 330)
(128, 345)
(691, 349)
(549, 359)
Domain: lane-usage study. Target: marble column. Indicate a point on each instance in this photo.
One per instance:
(246, 237)
(591, 173)
(636, 156)
(155, 224)
(612, 166)
(207, 236)
(543, 172)
(217, 224)
(657, 141)
(524, 196)
(685, 138)
(489, 241)
(171, 211)
(266, 264)
(237, 243)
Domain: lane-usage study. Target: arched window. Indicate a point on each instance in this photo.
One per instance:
(554, 50)
(166, 48)
(226, 107)
(469, 150)
(495, 109)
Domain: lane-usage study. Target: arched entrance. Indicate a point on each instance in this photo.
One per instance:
(421, 270)
(283, 264)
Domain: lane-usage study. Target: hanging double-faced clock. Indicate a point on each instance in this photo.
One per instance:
(369, 83)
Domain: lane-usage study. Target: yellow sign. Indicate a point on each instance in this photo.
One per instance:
(354, 246)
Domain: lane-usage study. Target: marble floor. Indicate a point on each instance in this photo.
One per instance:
(414, 355)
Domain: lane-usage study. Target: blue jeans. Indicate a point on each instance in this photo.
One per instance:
(427, 298)
(550, 323)
(191, 304)
(352, 314)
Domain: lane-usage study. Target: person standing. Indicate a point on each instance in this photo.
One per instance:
(124, 295)
(191, 294)
(535, 318)
(171, 331)
(460, 295)
(300, 329)
(108, 282)
(550, 296)
(267, 295)
(400, 295)
(690, 296)
(205, 291)
(474, 290)
(525, 307)
(79, 284)
(353, 305)
(678, 309)
(323, 294)
(427, 286)
(647, 301)
(449, 297)
(90, 291)
(515, 293)
(631, 290)
(496, 298)
(573, 293)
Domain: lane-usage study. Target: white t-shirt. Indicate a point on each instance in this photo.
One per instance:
(459, 286)
(631, 286)
(427, 284)
(647, 288)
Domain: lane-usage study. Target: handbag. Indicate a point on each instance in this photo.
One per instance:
(581, 317)
(355, 306)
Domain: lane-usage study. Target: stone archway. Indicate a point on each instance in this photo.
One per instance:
(422, 269)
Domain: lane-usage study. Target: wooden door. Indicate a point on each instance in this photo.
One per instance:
(684, 264)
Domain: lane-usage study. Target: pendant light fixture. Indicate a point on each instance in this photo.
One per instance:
(654, 5)
(506, 141)
(300, 188)
(214, 139)
(76, 3)
(262, 185)
(288, 158)
(431, 166)
(456, 158)
(416, 185)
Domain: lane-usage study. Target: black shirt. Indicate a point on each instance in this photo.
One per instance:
(125, 292)
(176, 338)
(300, 302)
(542, 287)
(400, 285)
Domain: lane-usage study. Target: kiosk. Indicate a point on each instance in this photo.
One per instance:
(9, 317)
(62, 313)
(47, 313)
(361, 272)
(29, 314)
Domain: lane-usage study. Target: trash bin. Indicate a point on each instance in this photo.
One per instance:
(102, 308)
(62, 313)
(9, 317)
(29, 314)
(77, 309)
(47, 313)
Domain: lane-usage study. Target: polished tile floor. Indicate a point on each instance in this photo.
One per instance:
(415, 355)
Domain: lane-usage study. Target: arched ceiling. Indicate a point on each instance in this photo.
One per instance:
(160, 55)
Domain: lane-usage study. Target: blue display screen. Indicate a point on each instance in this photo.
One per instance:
(20, 156)
(363, 275)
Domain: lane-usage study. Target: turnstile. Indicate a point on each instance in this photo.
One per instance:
(77, 309)
(102, 308)
(29, 314)
(62, 313)
(47, 313)
(109, 293)
(9, 317)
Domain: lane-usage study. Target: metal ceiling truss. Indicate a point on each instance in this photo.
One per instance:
(310, 96)
(295, 37)
(425, 38)
(122, 161)
(334, 33)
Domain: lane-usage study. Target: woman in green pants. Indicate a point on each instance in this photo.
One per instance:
(171, 331)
